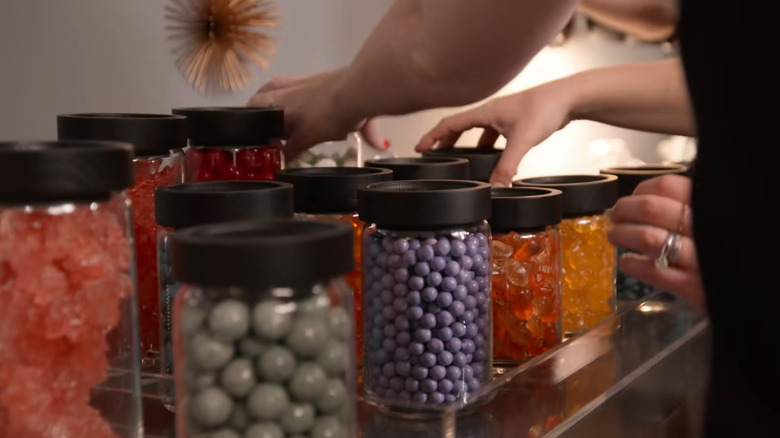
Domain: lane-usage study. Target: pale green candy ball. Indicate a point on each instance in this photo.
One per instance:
(270, 321)
(207, 353)
(327, 427)
(277, 364)
(298, 418)
(264, 430)
(333, 357)
(267, 401)
(229, 320)
(333, 397)
(238, 377)
(308, 382)
(210, 407)
(307, 336)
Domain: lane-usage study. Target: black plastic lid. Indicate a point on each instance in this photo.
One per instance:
(482, 160)
(200, 203)
(232, 126)
(330, 190)
(424, 167)
(424, 203)
(262, 254)
(523, 208)
(33, 172)
(150, 134)
(630, 176)
(582, 194)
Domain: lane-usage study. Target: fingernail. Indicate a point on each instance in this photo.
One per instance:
(386, 144)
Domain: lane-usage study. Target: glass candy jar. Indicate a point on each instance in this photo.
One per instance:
(482, 160)
(186, 205)
(589, 260)
(526, 267)
(232, 143)
(263, 330)
(424, 167)
(330, 194)
(629, 288)
(426, 293)
(158, 140)
(69, 365)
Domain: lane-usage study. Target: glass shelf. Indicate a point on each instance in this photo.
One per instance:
(639, 373)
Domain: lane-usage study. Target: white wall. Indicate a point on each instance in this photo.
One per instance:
(59, 56)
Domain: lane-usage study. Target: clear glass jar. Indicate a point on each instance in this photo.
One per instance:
(482, 160)
(426, 293)
(233, 143)
(330, 194)
(629, 288)
(187, 205)
(344, 153)
(158, 140)
(424, 167)
(263, 330)
(526, 266)
(589, 260)
(68, 314)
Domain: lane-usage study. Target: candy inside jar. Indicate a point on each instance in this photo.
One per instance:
(233, 143)
(158, 140)
(265, 343)
(426, 294)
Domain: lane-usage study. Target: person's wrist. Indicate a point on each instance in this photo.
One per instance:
(349, 110)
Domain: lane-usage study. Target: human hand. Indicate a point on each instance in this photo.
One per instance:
(642, 223)
(525, 119)
(311, 111)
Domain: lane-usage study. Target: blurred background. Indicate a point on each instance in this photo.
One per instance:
(114, 56)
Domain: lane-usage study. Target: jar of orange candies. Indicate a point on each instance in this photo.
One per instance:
(158, 140)
(69, 363)
(526, 272)
(232, 143)
(589, 260)
(330, 194)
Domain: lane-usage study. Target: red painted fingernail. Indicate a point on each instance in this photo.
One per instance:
(386, 144)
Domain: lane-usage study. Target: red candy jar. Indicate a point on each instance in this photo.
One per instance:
(158, 140)
(232, 143)
(69, 363)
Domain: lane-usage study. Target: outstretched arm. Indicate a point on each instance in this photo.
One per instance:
(647, 20)
(648, 96)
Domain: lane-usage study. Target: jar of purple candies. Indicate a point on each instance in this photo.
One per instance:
(426, 294)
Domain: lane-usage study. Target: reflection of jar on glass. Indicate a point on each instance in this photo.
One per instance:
(186, 205)
(426, 293)
(629, 288)
(68, 328)
(158, 140)
(232, 143)
(340, 153)
(589, 260)
(526, 272)
(330, 194)
(263, 330)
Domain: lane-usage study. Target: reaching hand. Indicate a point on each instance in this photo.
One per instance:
(311, 111)
(642, 223)
(525, 119)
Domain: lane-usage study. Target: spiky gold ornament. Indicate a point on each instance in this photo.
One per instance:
(219, 41)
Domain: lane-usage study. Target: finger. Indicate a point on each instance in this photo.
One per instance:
(449, 129)
(506, 168)
(672, 186)
(285, 81)
(488, 137)
(263, 99)
(649, 240)
(683, 283)
(370, 134)
(660, 211)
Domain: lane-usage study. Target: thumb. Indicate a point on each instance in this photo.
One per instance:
(370, 134)
(506, 168)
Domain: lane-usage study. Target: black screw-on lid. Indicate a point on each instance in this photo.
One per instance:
(630, 176)
(582, 194)
(262, 254)
(424, 167)
(482, 160)
(330, 190)
(424, 203)
(200, 203)
(34, 172)
(523, 208)
(232, 126)
(150, 134)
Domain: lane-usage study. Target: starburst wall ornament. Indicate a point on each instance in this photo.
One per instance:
(219, 42)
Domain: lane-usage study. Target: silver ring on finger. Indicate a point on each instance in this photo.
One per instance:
(670, 250)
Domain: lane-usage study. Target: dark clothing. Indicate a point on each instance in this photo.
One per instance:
(727, 50)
